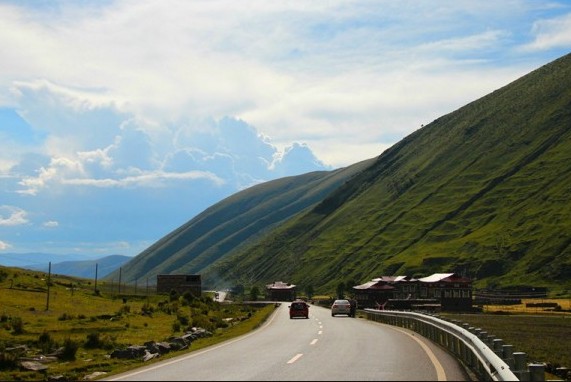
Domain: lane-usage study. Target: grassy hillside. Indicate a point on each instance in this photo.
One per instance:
(484, 191)
(232, 223)
(83, 327)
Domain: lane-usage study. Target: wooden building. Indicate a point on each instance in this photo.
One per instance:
(179, 283)
(453, 291)
(280, 291)
(440, 291)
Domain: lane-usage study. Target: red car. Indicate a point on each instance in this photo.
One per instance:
(299, 308)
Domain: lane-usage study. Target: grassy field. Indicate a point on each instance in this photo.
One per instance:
(93, 325)
(89, 326)
(542, 334)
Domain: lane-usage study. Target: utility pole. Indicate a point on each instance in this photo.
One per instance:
(120, 280)
(49, 282)
(95, 290)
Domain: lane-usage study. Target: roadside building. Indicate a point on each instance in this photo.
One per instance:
(280, 291)
(179, 283)
(376, 292)
(453, 291)
(440, 291)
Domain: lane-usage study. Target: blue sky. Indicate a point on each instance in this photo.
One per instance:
(121, 120)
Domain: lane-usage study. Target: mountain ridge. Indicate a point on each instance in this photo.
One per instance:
(465, 156)
(482, 191)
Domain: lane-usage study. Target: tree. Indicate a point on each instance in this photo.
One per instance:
(349, 287)
(309, 291)
(341, 290)
(254, 293)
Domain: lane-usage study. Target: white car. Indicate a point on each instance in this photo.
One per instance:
(341, 307)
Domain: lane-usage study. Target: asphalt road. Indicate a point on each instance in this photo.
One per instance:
(321, 348)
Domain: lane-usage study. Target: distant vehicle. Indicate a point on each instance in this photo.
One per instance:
(298, 308)
(341, 307)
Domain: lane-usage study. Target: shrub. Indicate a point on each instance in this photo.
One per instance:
(3, 275)
(147, 309)
(92, 341)
(187, 298)
(69, 350)
(17, 325)
(182, 317)
(125, 309)
(8, 361)
(65, 316)
(45, 342)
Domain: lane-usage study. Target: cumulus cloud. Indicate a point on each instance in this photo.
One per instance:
(551, 33)
(179, 104)
(4, 245)
(12, 216)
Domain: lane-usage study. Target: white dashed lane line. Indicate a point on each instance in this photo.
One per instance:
(298, 356)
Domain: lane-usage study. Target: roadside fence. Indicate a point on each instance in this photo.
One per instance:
(486, 356)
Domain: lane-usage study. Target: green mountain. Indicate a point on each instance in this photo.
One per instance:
(484, 191)
(233, 223)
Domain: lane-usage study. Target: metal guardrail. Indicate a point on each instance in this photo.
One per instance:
(487, 357)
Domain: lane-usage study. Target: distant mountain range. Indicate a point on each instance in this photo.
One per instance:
(65, 264)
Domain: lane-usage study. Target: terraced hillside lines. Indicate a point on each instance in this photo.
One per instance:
(233, 222)
(483, 190)
(479, 190)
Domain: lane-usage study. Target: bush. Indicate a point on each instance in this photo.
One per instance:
(182, 317)
(65, 316)
(92, 341)
(8, 361)
(45, 342)
(147, 309)
(69, 350)
(17, 325)
(125, 309)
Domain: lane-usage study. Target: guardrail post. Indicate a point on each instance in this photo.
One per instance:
(497, 346)
(508, 356)
(537, 372)
(520, 367)
(490, 341)
(483, 335)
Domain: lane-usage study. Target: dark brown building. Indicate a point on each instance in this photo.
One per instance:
(440, 291)
(453, 291)
(179, 283)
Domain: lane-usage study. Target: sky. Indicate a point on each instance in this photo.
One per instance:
(120, 120)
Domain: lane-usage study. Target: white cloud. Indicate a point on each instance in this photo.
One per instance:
(146, 179)
(133, 103)
(551, 33)
(50, 224)
(4, 245)
(12, 216)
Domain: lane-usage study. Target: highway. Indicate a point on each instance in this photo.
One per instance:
(321, 348)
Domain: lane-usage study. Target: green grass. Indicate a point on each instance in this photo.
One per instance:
(544, 338)
(74, 316)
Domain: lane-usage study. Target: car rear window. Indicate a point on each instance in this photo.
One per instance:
(298, 305)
